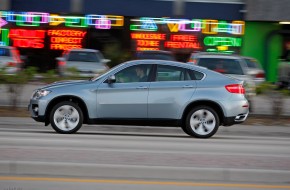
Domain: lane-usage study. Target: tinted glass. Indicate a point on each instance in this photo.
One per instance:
(252, 63)
(171, 73)
(83, 56)
(136, 73)
(221, 65)
(195, 75)
(4, 52)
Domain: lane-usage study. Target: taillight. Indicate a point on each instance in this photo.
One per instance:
(61, 63)
(260, 75)
(192, 61)
(235, 88)
(11, 64)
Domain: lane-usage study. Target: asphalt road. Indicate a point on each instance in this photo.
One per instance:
(129, 157)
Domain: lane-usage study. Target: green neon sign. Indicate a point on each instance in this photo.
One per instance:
(222, 41)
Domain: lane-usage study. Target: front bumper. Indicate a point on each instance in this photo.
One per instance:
(36, 109)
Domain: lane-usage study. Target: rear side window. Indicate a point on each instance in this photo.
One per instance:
(252, 63)
(83, 56)
(172, 73)
(222, 65)
(195, 75)
(4, 52)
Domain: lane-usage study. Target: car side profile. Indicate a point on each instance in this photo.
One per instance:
(144, 92)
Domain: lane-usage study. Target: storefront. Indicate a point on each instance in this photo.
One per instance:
(43, 36)
(184, 36)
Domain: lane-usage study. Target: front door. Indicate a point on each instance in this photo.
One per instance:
(127, 97)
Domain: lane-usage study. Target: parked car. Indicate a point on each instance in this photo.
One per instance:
(255, 69)
(173, 94)
(10, 59)
(155, 54)
(87, 62)
(230, 65)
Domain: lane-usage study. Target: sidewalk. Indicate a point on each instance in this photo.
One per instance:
(261, 104)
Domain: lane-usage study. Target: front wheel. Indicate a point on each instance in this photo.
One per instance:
(66, 117)
(202, 122)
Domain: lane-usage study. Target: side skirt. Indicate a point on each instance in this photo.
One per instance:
(139, 122)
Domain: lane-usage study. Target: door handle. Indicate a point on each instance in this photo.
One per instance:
(188, 86)
(142, 87)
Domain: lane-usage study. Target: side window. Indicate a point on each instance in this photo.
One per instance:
(195, 75)
(171, 73)
(136, 73)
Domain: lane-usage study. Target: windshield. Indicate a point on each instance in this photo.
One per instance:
(4, 52)
(83, 56)
(222, 65)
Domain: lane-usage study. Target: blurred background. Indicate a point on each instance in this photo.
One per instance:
(42, 41)
(36, 38)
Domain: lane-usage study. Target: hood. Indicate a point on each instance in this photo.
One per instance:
(66, 83)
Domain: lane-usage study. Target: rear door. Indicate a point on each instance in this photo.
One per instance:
(172, 89)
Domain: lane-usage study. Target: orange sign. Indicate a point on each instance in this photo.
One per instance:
(66, 39)
(27, 38)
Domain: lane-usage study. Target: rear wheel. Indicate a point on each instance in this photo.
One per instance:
(66, 117)
(202, 122)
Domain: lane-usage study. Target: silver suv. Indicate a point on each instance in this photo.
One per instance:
(87, 62)
(144, 92)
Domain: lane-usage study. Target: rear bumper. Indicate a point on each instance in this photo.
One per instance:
(228, 121)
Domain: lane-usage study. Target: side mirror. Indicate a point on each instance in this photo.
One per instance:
(105, 61)
(111, 79)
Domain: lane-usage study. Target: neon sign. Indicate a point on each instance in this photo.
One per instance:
(35, 19)
(148, 41)
(205, 26)
(148, 36)
(2, 22)
(4, 40)
(179, 41)
(222, 41)
(66, 39)
(27, 38)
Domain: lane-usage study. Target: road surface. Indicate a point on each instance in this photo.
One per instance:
(129, 157)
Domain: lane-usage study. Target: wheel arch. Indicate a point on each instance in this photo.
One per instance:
(212, 104)
(71, 98)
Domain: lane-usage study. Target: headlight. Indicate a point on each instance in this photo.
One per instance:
(40, 93)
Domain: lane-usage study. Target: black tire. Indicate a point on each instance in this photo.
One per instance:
(205, 122)
(184, 129)
(66, 117)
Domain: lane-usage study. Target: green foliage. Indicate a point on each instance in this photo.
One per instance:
(21, 77)
(49, 77)
(115, 53)
(267, 87)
